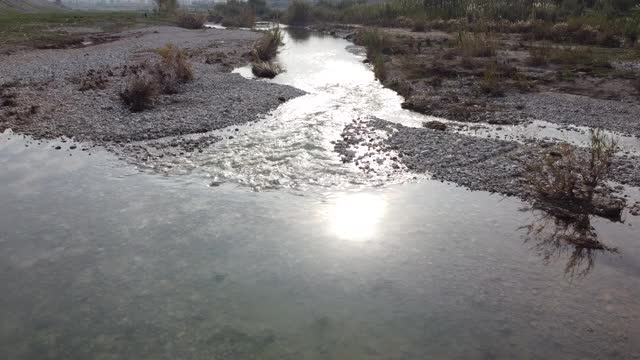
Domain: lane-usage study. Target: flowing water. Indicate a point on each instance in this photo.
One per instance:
(296, 255)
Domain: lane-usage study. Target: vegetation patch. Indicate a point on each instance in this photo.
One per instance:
(234, 13)
(149, 79)
(299, 13)
(476, 45)
(140, 91)
(266, 48)
(263, 53)
(566, 178)
(265, 69)
(189, 20)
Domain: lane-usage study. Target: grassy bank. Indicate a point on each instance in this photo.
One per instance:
(51, 29)
(609, 23)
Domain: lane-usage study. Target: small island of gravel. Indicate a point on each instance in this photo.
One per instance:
(75, 91)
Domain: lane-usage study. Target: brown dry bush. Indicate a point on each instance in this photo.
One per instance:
(419, 25)
(149, 79)
(491, 83)
(93, 82)
(563, 174)
(476, 45)
(266, 48)
(265, 69)
(539, 55)
(190, 20)
(140, 91)
(175, 60)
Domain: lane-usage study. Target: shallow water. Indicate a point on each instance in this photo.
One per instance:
(292, 147)
(102, 261)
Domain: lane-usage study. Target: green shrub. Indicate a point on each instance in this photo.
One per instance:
(379, 69)
(374, 40)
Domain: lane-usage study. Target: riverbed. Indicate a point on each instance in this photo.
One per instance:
(267, 246)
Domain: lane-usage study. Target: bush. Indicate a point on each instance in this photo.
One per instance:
(175, 61)
(191, 20)
(562, 174)
(265, 69)
(234, 13)
(419, 25)
(147, 80)
(266, 48)
(491, 83)
(586, 58)
(374, 40)
(93, 82)
(140, 91)
(298, 13)
(476, 45)
(166, 6)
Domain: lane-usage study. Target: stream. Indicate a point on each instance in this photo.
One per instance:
(267, 246)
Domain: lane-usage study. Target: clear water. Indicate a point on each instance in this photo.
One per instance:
(100, 260)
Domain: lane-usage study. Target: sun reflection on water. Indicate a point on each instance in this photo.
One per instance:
(356, 217)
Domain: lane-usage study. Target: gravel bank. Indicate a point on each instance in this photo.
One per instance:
(477, 163)
(50, 103)
(569, 109)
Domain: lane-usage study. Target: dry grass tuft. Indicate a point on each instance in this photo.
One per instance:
(266, 48)
(265, 69)
(147, 80)
(175, 60)
(491, 83)
(140, 91)
(374, 40)
(539, 55)
(379, 69)
(476, 45)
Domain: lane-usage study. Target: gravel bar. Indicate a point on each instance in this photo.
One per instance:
(50, 104)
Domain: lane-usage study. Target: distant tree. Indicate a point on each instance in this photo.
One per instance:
(166, 6)
(298, 13)
(259, 6)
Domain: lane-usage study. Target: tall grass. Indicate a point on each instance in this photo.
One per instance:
(374, 40)
(266, 48)
(476, 45)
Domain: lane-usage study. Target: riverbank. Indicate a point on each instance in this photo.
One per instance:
(493, 165)
(74, 92)
(506, 78)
